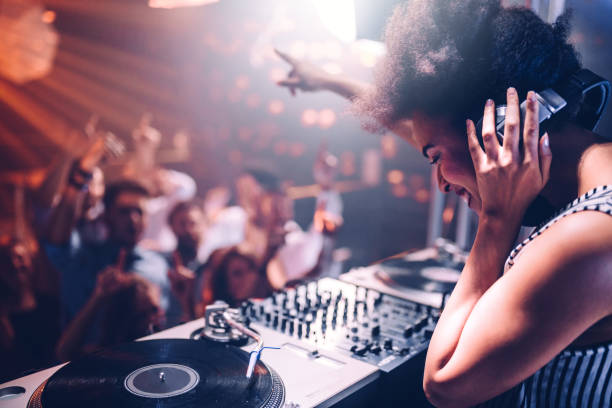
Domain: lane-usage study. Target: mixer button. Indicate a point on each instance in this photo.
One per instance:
(375, 330)
(361, 350)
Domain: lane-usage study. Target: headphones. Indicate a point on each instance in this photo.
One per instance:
(584, 85)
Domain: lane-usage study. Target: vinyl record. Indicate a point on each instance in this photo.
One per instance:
(163, 373)
(428, 275)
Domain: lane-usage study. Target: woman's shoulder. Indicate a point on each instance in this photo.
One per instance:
(580, 241)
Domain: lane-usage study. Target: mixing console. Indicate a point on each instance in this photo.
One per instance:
(367, 325)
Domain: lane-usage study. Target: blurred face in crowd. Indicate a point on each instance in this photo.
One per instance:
(126, 218)
(188, 227)
(248, 192)
(275, 209)
(15, 288)
(242, 278)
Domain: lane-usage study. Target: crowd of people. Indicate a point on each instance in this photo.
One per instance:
(143, 252)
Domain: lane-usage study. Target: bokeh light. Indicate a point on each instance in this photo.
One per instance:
(399, 190)
(48, 16)
(422, 195)
(326, 118)
(395, 177)
(276, 107)
(309, 117)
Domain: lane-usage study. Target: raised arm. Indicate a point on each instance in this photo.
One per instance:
(109, 282)
(63, 217)
(308, 77)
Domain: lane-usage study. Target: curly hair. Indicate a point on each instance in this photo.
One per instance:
(447, 57)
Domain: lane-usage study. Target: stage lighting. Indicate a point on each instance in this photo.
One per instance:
(338, 16)
(28, 41)
(170, 4)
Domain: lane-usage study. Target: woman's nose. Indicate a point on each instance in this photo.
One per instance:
(442, 184)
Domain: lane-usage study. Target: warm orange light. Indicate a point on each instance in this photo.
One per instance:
(447, 214)
(327, 118)
(422, 195)
(399, 190)
(395, 177)
(309, 117)
(48, 17)
(170, 4)
(276, 107)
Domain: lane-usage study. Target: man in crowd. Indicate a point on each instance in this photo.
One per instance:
(81, 262)
(187, 222)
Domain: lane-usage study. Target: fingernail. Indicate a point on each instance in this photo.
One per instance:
(489, 102)
(511, 90)
(531, 96)
(546, 141)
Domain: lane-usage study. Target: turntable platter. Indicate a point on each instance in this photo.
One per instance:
(428, 275)
(162, 373)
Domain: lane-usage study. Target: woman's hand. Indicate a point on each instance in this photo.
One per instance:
(508, 181)
(303, 75)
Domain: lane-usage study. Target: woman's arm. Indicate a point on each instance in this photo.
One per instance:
(308, 77)
(507, 182)
(556, 290)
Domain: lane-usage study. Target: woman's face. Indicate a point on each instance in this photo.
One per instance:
(448, 152)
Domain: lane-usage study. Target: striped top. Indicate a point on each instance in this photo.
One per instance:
(576, 377)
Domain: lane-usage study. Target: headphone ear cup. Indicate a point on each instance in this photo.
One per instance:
(500, 116)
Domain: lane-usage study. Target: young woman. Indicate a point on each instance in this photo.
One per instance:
(530, 327)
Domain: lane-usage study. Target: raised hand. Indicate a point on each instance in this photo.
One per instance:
(303, 75)
(507, 179)
(182, 283)
(105, 146)
(110, 281)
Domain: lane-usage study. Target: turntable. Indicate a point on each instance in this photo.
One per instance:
(425, 276)
(171, 368)
(162, 373)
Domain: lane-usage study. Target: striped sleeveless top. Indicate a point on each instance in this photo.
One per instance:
(576, 377)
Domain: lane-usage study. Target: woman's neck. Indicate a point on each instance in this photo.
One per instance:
(581, 161)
